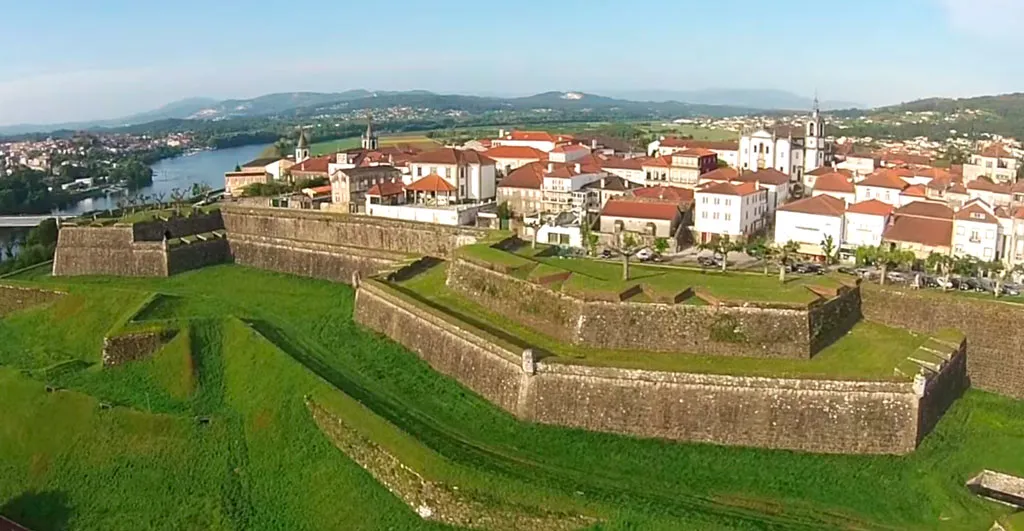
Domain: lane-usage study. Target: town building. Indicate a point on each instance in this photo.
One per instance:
(994, 162)
(727, 152)
(311, 168)
(540, 140)
(864, 224)
(302, 148)
(520, 189)
(992, 193)
(510, 158)
(563, 188)
(976, 232)
(567, 153)
(921, 227)
(647, 218)
(349, 186)
(774, 181)
(882, 185)
(471, 174)
(608, 187)
(726, 209)
(837, 184)
(630, 169)
(235, 182)
(788, 149)
(809, 222)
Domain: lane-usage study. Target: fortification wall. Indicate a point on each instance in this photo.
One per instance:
(107, 251)
(348, 230)
(658, 327)
(995, 337)
(941, 389)
(178, 226)
(309, 259)
(134, 346)
(16, 298)
(196, 255)
(806, 415)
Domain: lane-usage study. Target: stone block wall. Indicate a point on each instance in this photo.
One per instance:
(659, 327)
(134, 346)
(309, 259)
(177, 226)
(348, 230)
(107, 251)
(187, 257)
(15, 298)
(795, 414)
(995, 336)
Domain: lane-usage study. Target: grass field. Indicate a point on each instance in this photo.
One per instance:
(259, 342)
(333, 146)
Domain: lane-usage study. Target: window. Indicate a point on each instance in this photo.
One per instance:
(990, 235)
(988, 253)
(975, 237)
(728, 217)
(718, 200)
(716, 215)
(959, 249)
(705, 201)
(728, 202)
(704, 215)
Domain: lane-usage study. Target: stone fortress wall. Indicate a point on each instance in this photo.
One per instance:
(994, 330)
(796, 414)
(717, 330)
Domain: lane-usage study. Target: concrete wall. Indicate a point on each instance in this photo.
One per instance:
(717, 330)
(348, 230)
(995, 337)
(806, 415)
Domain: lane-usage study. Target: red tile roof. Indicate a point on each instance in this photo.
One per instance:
(532, 136)
(730, 189)
(314, 165)
(916, 190)
(624, 208)
(431, 183)
(530, 176)
(825, 170)
(766, 176)
(884, 179)
(925, 209)
(515, 152)
(666, 193)
(834, 182)
(387, 189)
(821, 205)
(996, 151)
(569, 148)
(925, 231)
(622, 163)
(689, 143)
(695, 152)
(985, 185)
(451, 157)
(973, 211)
(721, 174)
(905, 158)
(657, 162)
(871, 207)
(563, 172)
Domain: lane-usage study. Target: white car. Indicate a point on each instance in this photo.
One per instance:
(644, 254)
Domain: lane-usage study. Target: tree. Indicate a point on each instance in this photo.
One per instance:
(997, 269)
(892, 258)
(9, 246)
(760, 249)
(625, 246)
(781, 255)
(661, 245)
(828, 246)
(504, 211)
(721, 246)
(866, 255)
(942, 265)
(535, 226)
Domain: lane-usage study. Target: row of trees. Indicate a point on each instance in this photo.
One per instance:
(37, 247)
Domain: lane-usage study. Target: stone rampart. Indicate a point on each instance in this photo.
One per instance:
(132, 346)
(995, 337)
(177, 226)
(16, 298)
(349, 230)
(795, 414)
(107, 251)
(186, 257)
(722, 330)
(309, 259)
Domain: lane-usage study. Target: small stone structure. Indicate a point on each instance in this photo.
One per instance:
(994, 330)
(774, 331)
(16, 298)
(132, 346)
(1003, 488)
(825, 416)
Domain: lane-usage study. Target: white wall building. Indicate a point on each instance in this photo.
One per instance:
(865, 224)
(976, 232)
(728, 209)
(882, 185)
(786, 149)
(471, 173)
(809, 222)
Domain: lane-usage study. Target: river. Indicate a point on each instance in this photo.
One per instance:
(180, 172)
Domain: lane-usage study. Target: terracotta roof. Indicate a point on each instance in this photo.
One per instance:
(973, 211)
(766, 176)
(721, 174)
(729, 189)
(916, 190)
(262, 162)
(611, 182)
(386, 189)
(515, 152)
(834, 182)
(568, 148)
(451, 156)
(694, 152)
(904, 158)
(933, 173)
(530, 176)
(624, 208)
(320, 190)
(563, 172)
(657, 162)
(883, 179)
(314, 165)
(956, 169)
(689, 143)
(985, 185)
(871, 207)
(926, 231)
(431, 183)
(825, 170)
(925, 209)
(622, 163)
(821, 205)
(996, 151)
(1019, 213)
(666, 193)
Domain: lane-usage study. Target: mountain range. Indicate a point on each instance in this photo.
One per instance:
(715, 102)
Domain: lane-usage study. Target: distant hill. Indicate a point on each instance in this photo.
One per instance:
(1002, 105)
(763, 99)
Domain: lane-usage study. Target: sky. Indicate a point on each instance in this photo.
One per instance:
(68, 60)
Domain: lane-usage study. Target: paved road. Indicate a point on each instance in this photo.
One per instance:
(22, 221)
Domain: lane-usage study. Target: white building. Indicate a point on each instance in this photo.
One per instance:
(658, 219)
(563, 188)
(568, 153)
(775, 182)
(786, 149)
(510, 158)
(471, 173)
(728, 209)
(882, 185)
(809, 222)
(629, 169)
(540, 140)
(976, 232)
(995, 194)
(865, 224)
(835, 184)
(994, 162)
(727, 152)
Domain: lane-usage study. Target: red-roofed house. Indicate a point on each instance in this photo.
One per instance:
(995, 162)
(314, 168)
(922, 228)
(630, 169)
(996, 194)
(566, 153)
(977, 232)
(349, 186)
(836, 184)
(729, 209)
(509, 158)
(540, 140)
(914, 192)
(387, 193)
(521, 188)
(865, 224)
(883, 185)
(658, 219)
(728, 152)
(808, 222)
(471, 173)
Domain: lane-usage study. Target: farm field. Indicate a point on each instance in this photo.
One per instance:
(214, 431)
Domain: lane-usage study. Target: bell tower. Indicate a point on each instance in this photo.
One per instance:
(370, 140)
(302, 148)
(814, 142)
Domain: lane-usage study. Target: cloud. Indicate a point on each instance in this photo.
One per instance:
(990, 19)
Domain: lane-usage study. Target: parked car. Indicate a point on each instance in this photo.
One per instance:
(645, 255)
(1011, 291)
(606, 254)
(847, 271)
(947, 283)
(709, 261)
(897, 276)
(970, 284)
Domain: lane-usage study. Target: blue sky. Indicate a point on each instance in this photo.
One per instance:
(64, 60)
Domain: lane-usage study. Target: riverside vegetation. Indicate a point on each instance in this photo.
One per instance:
(213, 432)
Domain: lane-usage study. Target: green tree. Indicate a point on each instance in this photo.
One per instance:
(661, 245)
(760, 248)
(866, 255)
(781, 254)
(504, 211)
(721, 246)
(534, 225)
(828, 246)
(942, 265)
(887, 259)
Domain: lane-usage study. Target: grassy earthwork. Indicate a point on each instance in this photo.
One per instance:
(213, 432)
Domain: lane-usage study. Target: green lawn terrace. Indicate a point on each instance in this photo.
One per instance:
(602, 279)
(256, 347)
(869, 352)
(140, 215)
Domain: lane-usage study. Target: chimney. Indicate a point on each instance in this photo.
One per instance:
(602, 183)
(578, 167)
(593, 144)
(551, 166)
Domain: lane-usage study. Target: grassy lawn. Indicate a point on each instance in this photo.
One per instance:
(333, 146)
(869, 351)
(694, 131)
(600, 276)
(260, 463)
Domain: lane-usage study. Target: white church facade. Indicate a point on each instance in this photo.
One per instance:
(790, 150)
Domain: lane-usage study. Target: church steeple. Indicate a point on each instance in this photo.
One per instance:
(302, 147)
(370, 141)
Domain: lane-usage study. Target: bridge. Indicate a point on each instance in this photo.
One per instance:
(28, 221)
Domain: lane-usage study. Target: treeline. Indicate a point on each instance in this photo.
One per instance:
(28, 192)
(36, 248)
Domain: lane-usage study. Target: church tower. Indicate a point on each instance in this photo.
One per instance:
(814, 147)
(302, 148)
(370, 141)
